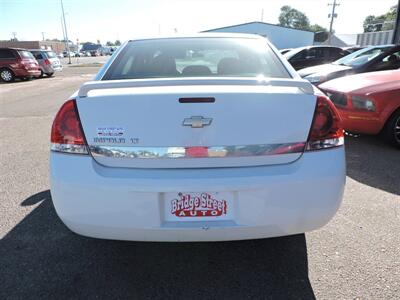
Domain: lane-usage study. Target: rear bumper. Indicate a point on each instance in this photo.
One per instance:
(127, 204)
(26, 73)
(51, 69)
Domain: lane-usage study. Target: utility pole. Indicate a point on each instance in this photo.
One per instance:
(262, 15)
(63, 32)
(42, 36)
(332, 15)
(66, 34)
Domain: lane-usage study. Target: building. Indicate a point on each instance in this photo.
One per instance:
(57, 47)
(341, 40)
(375, 38)
(281, 37)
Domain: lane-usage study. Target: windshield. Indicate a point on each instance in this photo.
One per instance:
(188, 57)
(26, 54)
(361, 56)
(51, 54)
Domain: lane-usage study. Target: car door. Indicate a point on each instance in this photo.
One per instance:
(312, 57)
(7, 58)
(298, 61)
(391, 61)
(336, 53)
(317, 56)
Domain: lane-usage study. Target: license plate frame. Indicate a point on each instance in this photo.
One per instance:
(198, 206)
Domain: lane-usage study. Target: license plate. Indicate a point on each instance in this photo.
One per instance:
(198, 206)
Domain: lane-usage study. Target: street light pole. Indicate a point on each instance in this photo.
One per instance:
(66, 34)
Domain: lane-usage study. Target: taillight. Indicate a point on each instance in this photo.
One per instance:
(326, 129)
(66, 132)
(46, 61)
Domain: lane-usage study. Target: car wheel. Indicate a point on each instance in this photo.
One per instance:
(49, 74)
(7, 75)
(392, 129)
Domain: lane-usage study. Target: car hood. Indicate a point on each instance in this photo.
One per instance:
(322, 69)
(366, 83)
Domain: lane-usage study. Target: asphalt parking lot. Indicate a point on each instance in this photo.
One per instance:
(356, 256)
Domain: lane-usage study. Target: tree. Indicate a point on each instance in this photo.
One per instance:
(117, 43)
(382, 22)
(291, 17)
(321, 33)
(53, 40)
(109, 43)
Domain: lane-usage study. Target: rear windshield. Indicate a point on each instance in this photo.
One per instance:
(188, 57)
(26, 54)
(51, 54)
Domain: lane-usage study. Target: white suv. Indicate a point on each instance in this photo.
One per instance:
(201, 138)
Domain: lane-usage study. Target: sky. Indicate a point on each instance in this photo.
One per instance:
(108, 20)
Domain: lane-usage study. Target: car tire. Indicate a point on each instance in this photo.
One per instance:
(41, 74)
(7, 75)
(391, 130)
(49, 74)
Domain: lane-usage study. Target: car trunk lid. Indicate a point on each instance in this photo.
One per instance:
(191, 125)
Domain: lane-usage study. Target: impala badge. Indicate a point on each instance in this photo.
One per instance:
(197, 122)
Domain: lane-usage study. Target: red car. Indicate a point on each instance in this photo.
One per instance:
(368, 103)
(15, 62)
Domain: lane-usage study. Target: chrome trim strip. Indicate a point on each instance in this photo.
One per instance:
(69, 148)
(196, 152)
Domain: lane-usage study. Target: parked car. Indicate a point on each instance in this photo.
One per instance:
(189, 170)
(310, 56)
(104, 50)
(94, 52)
(48, 61)
(84, 54)
(352, 49)
(283, 51)
(93, 49)
(17, 63)
(375, 58)
(368, 103)
(112, 50)
(71, 54)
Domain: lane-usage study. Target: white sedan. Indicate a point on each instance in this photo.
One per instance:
(208, 137)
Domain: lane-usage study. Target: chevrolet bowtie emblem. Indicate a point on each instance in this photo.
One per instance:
(197, 122)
